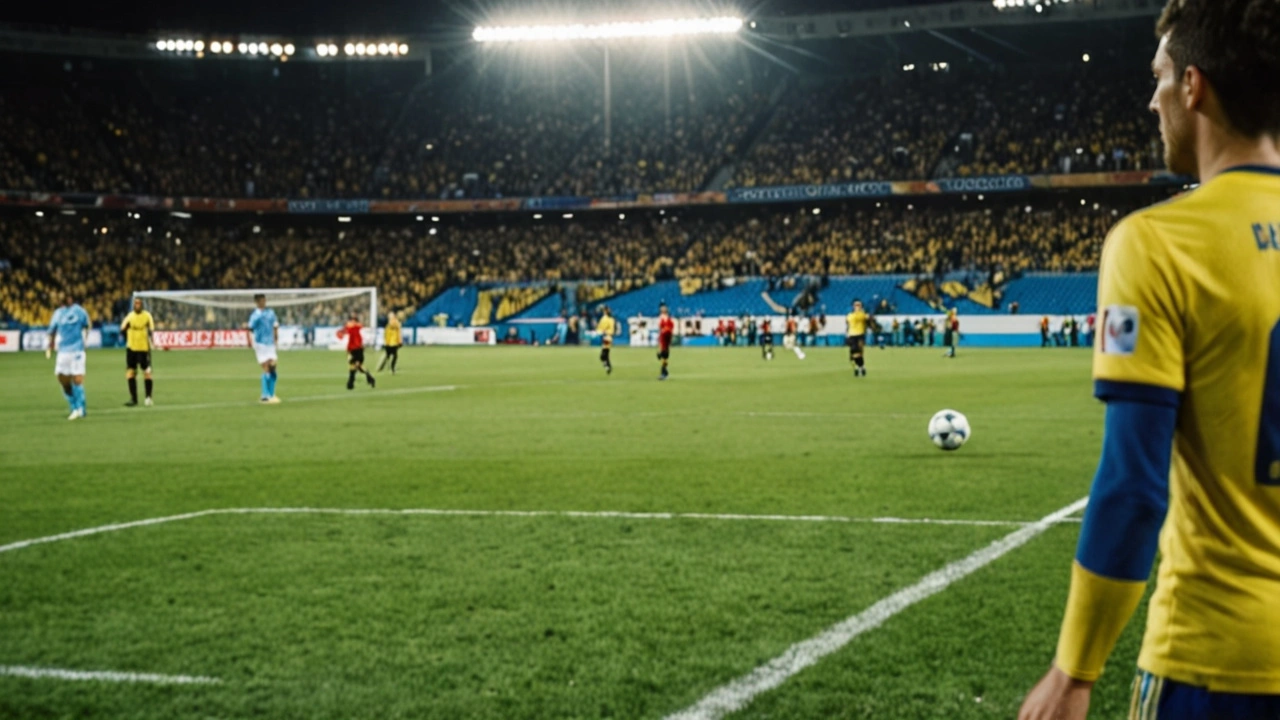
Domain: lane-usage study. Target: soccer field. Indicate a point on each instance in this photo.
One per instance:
(578, 546)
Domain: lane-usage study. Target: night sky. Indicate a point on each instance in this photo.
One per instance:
(368, 16)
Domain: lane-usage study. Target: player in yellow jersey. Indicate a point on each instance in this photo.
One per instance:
(857, 339)
(607, 327)
(392, 339)
(1189, 364)
(137, 328)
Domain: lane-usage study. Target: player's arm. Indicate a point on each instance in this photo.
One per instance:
(1139, 373)
(151, 328)
(53, 335)
(275, 333)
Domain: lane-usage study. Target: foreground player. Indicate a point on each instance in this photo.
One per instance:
(766, 339)
(391, 341)
(857, 321)
(352, 331)
(1189, 365)
(265, 330)
(137, 328)
(68, 331)
(666, 332)
(608, 327)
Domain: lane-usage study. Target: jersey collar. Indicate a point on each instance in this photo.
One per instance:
(1264, 169)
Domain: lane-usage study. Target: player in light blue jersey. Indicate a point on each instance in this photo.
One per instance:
(265, 329)
(68, 331)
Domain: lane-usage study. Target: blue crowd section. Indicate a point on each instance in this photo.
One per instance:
(456, 302)
(1054, 294)
(1036, 294)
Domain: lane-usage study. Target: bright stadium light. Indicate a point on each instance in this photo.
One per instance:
(383, 49)
(360, 49)
(215, 47)
(404, 49)
(333, 50)
(289, 49)
(277, 49)
(160, 45)
(263, 48)
(349, 49)
(242, 48)
(322, 50)
(609, 31)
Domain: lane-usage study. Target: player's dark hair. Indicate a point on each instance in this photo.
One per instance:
(1236, 44)
(259, 296)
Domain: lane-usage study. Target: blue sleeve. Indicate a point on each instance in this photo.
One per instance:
(1130, 494)
(53, 321)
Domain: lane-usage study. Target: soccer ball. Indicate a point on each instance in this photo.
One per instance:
(949, 429)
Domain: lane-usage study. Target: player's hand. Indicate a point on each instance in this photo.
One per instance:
(1057, 696)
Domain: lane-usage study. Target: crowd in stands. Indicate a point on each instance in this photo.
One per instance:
(102, 261)
(318, 131)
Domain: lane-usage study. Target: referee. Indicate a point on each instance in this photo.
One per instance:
(137, 327)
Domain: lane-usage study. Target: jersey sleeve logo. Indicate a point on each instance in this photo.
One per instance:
(1119, 330)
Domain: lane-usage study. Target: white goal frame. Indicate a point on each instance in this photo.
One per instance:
(318, 294)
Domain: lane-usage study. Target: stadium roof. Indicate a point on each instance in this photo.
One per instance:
(373, 16)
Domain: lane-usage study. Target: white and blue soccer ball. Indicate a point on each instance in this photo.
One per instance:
(949, 429)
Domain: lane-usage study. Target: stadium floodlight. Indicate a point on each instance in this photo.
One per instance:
(383, 49)
(160, 45)
(199, 46)
(242, 48)
(289, 49)
(322, 50)
(360, 49)
(349, 49)
(404, 49)
(333, 50)
(673, 27)
(277, 49)
(215, 47)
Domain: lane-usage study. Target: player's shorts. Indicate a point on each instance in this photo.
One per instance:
(606, 341)
(788, 341)
(265, 353)
(664, 348)
(857, 343)
(1157, 698)
(356, 356)
(69, 363)
(947, 337)
(391, 349)
(134, 359)
(766, 339)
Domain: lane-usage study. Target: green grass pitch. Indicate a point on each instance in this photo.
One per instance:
(546, 616)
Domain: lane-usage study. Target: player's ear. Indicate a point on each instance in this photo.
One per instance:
(1195, 87)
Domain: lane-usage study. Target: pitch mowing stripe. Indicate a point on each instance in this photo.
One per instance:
(582, 514)
(36, 673)
(739, 693)
(374, 394)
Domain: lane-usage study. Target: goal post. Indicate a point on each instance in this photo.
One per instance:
(308, 317)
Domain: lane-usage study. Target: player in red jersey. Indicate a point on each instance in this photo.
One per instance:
(766, 339)
(355, 352)
(666, 331)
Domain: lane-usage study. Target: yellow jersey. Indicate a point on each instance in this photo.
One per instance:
(1189, 295)
(391, 336)
(608, 327)
(137, 326)
(857, 323)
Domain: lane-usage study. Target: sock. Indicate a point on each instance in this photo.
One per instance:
(857, 360)
(383, 363)
(394, 358)
(147, 383)
(133, 388)
(351, 378)
(272, 373)
(70, 395)
(271, 383)
(78, 390)
(266, 385)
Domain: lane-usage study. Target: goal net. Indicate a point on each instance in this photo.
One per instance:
(308, 317)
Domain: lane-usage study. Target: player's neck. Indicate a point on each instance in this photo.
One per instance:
(1221, 152)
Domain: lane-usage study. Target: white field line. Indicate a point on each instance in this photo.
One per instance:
(36, 673)
(519, 513)
(349, 395)
(739, 693)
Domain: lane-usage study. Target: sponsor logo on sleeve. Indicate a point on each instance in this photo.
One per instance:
(1119, 330)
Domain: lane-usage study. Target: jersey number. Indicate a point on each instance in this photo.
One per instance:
(1267, 465)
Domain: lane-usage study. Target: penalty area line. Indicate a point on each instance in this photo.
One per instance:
(739, 693)
(37, 673)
